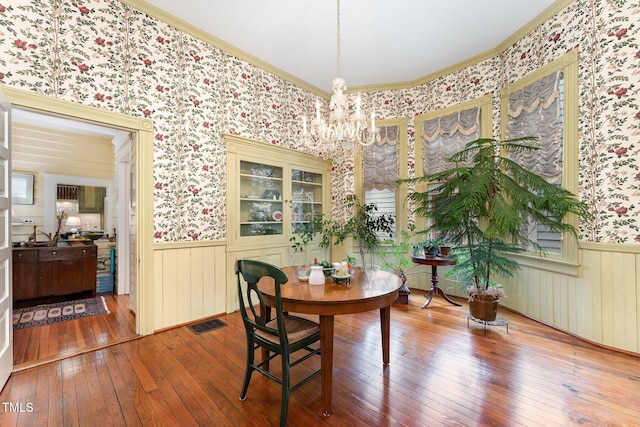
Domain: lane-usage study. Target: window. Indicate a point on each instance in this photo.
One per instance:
(544, 105)
(385, 201)
(380, 166)
(537, 110)
(442, 133)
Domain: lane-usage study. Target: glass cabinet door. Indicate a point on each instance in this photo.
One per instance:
(260, 199)
(306, 199)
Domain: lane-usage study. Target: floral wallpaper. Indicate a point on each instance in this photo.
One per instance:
(108, 55)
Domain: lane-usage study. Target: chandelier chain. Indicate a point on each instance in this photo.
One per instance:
(338, 56)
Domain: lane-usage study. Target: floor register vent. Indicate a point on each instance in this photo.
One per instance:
(206, 326)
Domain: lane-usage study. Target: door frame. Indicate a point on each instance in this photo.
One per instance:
(6, 263)
(123, 171)
(142, 130)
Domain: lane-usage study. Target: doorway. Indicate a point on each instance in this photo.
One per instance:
(37, 135)
(141, 230)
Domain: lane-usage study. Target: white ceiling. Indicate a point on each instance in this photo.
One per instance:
(382, 41)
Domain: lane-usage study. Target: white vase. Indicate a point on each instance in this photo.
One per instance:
(317, 276)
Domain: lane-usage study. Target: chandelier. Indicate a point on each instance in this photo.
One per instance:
(346, 125)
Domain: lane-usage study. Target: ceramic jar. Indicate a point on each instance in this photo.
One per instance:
(316, 277)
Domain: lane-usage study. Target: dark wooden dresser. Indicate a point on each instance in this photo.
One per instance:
(41, 272)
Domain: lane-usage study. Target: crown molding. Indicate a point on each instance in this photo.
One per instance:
(427, 78)
(181, 25)
(489, 54)
(544, 16)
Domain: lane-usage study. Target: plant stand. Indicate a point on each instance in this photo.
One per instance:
(434, 262)
(500, 321)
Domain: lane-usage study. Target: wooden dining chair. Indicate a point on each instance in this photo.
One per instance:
(283, 335)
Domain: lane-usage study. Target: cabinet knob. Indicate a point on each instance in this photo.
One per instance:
(19, 256)
(84, 252)
(54, 253)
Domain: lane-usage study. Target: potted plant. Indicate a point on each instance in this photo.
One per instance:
(431, 247)
(365, 225)
(395, 256)
(482, 204)
(299, 242)
(301, 239)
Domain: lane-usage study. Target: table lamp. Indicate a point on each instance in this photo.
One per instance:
(73, 222)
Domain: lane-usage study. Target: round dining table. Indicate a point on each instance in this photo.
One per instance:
(367, 289)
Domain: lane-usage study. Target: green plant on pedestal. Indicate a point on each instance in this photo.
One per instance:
(482, 205)
(431, 247)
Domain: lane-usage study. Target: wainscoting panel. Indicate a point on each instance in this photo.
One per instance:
(276, 255)
(190, 281)
(602, 304)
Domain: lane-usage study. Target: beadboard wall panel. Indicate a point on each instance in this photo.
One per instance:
(190, 280)
(59, 152)
(276, 255)
(602, 304)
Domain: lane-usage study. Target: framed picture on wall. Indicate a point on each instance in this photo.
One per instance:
(22, 188)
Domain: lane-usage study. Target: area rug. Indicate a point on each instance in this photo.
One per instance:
(47, 314)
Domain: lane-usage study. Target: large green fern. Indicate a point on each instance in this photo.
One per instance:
(482, 203)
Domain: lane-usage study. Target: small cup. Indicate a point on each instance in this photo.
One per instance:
(303, 272)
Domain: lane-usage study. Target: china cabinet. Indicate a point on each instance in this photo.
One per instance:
(272, 194)
(260, 199)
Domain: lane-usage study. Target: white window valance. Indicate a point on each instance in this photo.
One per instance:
(381, 161)
(535, 111)
(446, 135)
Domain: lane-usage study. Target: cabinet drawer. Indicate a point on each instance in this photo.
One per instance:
(25, 255)
(67, 253)
(89, 251)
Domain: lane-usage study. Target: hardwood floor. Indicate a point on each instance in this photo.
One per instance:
(44, 344)
(442, 373)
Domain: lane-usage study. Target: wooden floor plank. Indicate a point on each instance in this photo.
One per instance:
(69, 397)
(203, 408)
(44, 344)
(97, 401)
(87, 403)
(443, 372)
(133, 400)
(164, 398)
(119, 414)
